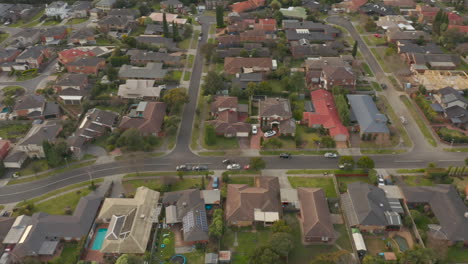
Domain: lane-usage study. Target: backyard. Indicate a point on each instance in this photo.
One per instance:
(14, 131)
(166, 238)
(326, 183)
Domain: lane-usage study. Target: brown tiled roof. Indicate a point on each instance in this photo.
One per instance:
(243, 199)
(337, 73)
(224, 102)
(275, 106)
(315, 216)
(150, 122)
(233, 65)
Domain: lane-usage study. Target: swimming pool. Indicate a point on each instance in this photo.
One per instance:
(402, 243)
(99, 239)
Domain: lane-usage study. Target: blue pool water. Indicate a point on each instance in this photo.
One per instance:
(99, 239)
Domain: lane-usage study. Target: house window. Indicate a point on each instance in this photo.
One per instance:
(324, 239)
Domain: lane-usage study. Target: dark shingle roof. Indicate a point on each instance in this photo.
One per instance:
(368, 116)
(72, 79)
(46, 131)
(450, 95)
(29, 101)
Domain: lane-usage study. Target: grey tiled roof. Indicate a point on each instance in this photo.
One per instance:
(151, 70)
(46, 131)
(368, 116)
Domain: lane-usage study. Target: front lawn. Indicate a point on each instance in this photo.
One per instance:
(457, 255)
(27, 75)
(14, 131)
(417, 181)
(3, 36)
(242, 180)
(367, 69)
(75, 21)
(223, 143)
(34, 167)
(326, 183)
(187, 76)
(57, 205)
(51, 23)
(419, 120)
(344, 181)
(396, 121)
(184, 44)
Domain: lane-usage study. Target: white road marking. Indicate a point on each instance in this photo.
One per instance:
(408, 160)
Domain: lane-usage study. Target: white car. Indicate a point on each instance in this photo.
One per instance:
(330, 155)
(234, 166)
(254, 130)
(269, 133)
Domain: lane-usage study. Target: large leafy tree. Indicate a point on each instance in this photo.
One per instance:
(219, 17)
(365, 162)
(175, 99)
(348, 161)
(264, 255)
(282, 243)
(280, 226)
(165, 26)
(129, 259)
(257, 163)
(213, 83)
(416, 255)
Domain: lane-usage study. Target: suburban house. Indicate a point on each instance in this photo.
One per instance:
(376, 9)
(105, 5)
(254, 49)
(32, 57)
(447, 206)
(13, 12)
(53, 35)
(426, 13)
(367, 208)
(146, 117)
(71, 88)
(400, 3)
(228, 41)
(129, 13)
(243, 79)
(139, 89)
(57, 9)
(394, 35)
(84, 36)
(406, 47)
(315, 66)
(158, 41)
(129, 222)
(8, 55)
(15, 159)
(233, 65)
(80, 9)
(228, 114)
(41, 235)
(86, 65)
(420, 62)
(212, 4)
(321, 111)
(25, 38)
(244, 6)
(458, 116)
(338, 76)
(172, 4)
(311, 27)
(352, 6)
(247, 205)
(5, 225)
(142, 57)
(315, 216)
(159, 17)
(152, 71)
(95, 123)
(31, 144)
(454, 105)
(4, 148)
(70, 55)
(371, 124)
(35, 107)
(116, 23)
(186, 210)
(395, 22)
(276, 113)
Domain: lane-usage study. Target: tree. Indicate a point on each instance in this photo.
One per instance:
(175, 32)
(280, 226)
(257, 163)
(466, 161)
(165, 26)
(327, 142)
(263, 255)
(282, 243)
(188, 30)
(369, 259)
(219, 16)
(131, 140)
(355, 48)
(111, 73)
(275, 5)
(365, 162)
(210, 135)
(370, 25)
(175, 99)
(144, 10)
(55, 153)
(9, 101)
(129, 259)
(130, 41)
(416, 255)
(347, 161)
(213, 83)
(216, 228)
(208, 50)
(342, 108)
(193, 8)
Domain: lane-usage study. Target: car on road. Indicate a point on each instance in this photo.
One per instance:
(269, 133)
(344, 166)
(199, 38)
(233, 166)
(285, 156)
(254, 130)
(183, 168)
(381, 180)
(330, 155)
(247, 167)
(384, 86)
(200, 168)
(226, 161)
(94, 20)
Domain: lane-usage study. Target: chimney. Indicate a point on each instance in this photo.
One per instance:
(184, 204)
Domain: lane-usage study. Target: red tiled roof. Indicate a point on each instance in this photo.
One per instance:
(356, 4)
(240, 7)
(71, 54)
(233, 65)
(325, 113)
(150, 122)
(454, 17)
(267, 24)
(462, 29)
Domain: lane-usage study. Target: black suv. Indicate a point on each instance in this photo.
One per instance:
(285, 156)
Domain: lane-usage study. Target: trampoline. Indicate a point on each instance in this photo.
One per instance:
(178, 259)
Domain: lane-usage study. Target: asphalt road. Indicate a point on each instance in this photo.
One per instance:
(182, 154)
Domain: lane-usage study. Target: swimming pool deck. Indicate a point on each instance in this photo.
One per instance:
(94, 255)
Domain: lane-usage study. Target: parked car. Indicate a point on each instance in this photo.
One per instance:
(330, 155)
(233, 166)
(254, 130)
(269, 133)
(226, 161)
(246, 167)
(183, 168)
(377, 35)
(285, 156)
(384, 86)
(344, 165)
(199, 38)
(381, 180)
(200, 168)
(215, 184)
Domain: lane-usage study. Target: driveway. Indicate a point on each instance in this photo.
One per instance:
(255, 142)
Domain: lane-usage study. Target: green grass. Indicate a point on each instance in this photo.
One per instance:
(411, 170)
(247, 240)
(12, 90)
(376, 86)
(3, 36)
(48, 174)
(50, 23)
(169, 250)
(294, 152)
(343, 240)
(417, 181)
(367, 69)
(322, 171)
(223, 143)
(419, 121)
(68, 255)
(190, 60)
(212, 29)
(140, 30)
(31, 24)
(197, 257)
(57, 205)
(373, 41)
(14, 131)
(380, 60)
(396, 122)
(360, 29)
(187, 76)
(2, 207)
(101, 41)
(184, 44)
(75, 21)
(456, 149)
(27, 76)
(326, 183)
(212, 153)
(41, 166)
(196, 33)
(457, 255)
(242, 180)
(382, 151)
(395, 83)
(374, 244)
